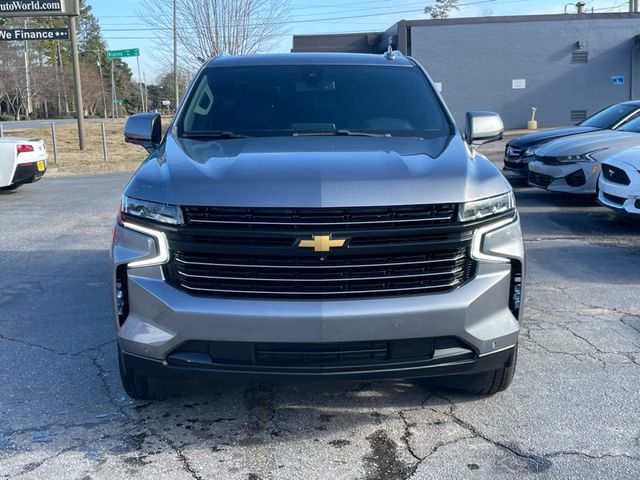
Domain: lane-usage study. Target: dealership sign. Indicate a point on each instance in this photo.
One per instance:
(20, 34)
(23, 8)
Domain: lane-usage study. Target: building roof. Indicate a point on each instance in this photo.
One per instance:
(562, 17)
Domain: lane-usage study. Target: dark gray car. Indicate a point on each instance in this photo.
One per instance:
(316, 216)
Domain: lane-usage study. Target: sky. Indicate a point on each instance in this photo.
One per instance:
(122, 26)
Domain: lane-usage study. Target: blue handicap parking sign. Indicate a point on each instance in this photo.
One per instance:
(617, 80)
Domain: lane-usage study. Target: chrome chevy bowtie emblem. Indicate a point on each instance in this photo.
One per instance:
(322, 243)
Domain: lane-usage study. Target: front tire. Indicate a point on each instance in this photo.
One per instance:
(10, 187)
(485, 383)
(135, 386)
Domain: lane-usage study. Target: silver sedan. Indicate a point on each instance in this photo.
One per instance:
(573, 164)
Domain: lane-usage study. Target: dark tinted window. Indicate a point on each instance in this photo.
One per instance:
(608, 117)
(631, 126)
(283, 100)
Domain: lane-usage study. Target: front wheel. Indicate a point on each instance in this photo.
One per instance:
(485, 383)
(10, 187)
(135, 386)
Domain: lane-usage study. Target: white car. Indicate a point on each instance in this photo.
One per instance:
(22, 160)
(619, 183)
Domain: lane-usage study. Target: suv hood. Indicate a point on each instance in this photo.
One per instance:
(318, 171)
(587, 143)
(538, 138)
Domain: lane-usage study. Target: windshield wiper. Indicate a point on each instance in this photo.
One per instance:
(352, 133)
(213, 134)
(340, 133)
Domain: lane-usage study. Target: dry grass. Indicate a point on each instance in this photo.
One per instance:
(71, 160)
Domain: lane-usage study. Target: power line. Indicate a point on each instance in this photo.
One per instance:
(315, 20)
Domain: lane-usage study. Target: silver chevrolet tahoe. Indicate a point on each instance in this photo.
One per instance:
(316, 216)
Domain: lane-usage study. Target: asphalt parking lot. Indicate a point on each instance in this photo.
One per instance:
(572, 412)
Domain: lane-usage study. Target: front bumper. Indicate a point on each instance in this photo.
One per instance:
(443, 366)
(519, 166)
(624, 199)
(554, 177)
(160, 319)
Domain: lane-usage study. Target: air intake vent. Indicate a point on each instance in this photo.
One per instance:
(580, 56)
(578, 115)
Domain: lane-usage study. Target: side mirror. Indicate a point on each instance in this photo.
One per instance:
(144, 129)
(485, 126)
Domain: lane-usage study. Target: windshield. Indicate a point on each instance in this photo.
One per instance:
(608, 117)
(311, 100)
(631, 126)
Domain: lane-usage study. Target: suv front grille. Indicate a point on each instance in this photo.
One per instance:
(260, 261)
(440, 270)
(615, 174)
(354, 217)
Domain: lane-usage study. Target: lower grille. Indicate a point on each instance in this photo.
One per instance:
(615, 174)
(540, 179)
(436, 271)
(614, 199)
(576, 179)
(310, 355)
(325, 354)
(524, 166)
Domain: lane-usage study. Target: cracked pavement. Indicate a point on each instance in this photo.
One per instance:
(573, 411)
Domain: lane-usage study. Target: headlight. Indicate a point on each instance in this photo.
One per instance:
(575, 158)
(529, 152)
(159, 212)
(487, 207)
(585, 157)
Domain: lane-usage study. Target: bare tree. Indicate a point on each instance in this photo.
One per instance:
(13, 91)
(207, 28)
(92, 89)
(441, 8)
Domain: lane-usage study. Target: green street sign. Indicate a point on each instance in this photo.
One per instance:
(131, 52)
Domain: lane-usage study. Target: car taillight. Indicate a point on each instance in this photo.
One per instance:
(24, 148)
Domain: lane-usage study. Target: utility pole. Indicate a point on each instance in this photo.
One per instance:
(114, 96)
(104, 97)
(175, 57)
(73, 33)
(146, 91)
(142, 105)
